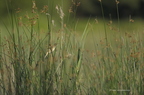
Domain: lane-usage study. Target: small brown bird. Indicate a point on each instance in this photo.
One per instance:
(50, 50)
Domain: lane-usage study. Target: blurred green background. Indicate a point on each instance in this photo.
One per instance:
(86, 8)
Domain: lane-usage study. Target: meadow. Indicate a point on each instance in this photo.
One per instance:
(42, 54)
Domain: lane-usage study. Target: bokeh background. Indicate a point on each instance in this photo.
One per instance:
(80, 11)
(87, 7)
(125, 7)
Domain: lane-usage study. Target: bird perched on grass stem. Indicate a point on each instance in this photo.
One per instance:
(50, 50)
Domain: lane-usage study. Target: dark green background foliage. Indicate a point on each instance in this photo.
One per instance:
(125, 7)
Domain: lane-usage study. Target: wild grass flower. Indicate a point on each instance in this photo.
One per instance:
(34, 7)
(45, 9)
(60, 11)
(117, 2)
(70, 10)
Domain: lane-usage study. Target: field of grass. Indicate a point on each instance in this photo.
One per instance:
(45, 55)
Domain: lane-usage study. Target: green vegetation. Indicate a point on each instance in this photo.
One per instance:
(70, 57)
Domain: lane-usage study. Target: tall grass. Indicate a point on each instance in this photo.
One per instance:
(56, 62)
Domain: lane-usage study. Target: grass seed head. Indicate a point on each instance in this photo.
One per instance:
(117, 2)
(60, 12)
